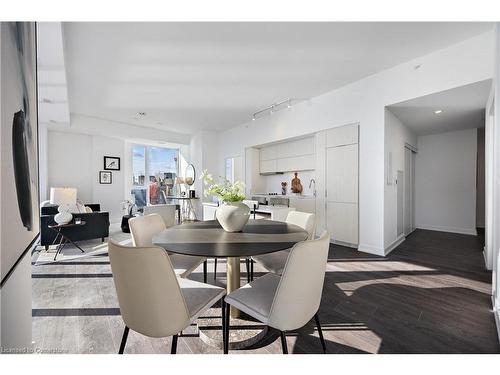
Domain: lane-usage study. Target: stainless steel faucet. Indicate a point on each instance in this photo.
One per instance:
(310, 184)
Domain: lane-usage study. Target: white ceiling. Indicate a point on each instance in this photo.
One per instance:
(462, 108)
(191, 76)
(53, 107)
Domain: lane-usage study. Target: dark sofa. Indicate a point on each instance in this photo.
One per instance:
(96, 225)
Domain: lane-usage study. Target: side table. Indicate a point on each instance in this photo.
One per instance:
(59, 228)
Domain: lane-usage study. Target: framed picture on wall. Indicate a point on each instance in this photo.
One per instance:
(105, 177)
(111, 163)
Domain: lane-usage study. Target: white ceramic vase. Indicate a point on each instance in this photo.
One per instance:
(64, 216)
(233, 216)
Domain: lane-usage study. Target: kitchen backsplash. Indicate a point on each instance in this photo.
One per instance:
(273, 182)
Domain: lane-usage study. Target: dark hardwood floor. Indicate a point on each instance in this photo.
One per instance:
(432, 294)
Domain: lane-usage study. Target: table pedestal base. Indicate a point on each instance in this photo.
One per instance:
(243, 334)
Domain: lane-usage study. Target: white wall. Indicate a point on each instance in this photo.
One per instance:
(445, 182)
(363, 102)
(494, 179)
(203, 154)
(15, 297)
(396, 136)
(15, 293)
(76, 159)
(109, 196)
(70, 162)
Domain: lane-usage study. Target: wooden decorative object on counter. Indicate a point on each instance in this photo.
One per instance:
(296, 185)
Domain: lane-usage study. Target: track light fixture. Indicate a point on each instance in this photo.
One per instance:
(275, 107)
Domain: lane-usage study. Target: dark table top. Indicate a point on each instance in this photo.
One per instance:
(208, 239)
(70, 224)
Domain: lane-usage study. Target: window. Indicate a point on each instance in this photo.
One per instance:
(229, 170)
(154, 171)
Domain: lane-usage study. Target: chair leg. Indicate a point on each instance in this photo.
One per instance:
(223, 316)
(251, 269)
(124, 340)
(226, 341)
(174, 344)
(283, 342)
(215, 268)
(320, 332)
(205, 272)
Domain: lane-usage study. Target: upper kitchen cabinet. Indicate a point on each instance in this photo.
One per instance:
(296, 155)
(342, 136)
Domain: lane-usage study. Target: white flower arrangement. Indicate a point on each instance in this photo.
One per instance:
(226, 191)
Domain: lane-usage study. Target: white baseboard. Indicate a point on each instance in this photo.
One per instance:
(342, 243)
(395, 244)
(496, 312)
(470, 231)
(486, 262)
(371, 250)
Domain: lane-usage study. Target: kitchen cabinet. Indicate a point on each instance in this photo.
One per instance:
(341, 136)
(296, 163)
(268, 152)
(342, 174)
(341, 183)
(268, 166)
(296, 155)
(303, 204)
(342, 222)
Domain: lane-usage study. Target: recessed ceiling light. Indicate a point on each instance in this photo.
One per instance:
(438, 111)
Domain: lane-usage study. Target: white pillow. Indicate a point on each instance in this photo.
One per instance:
(77, 208)
(88, 209)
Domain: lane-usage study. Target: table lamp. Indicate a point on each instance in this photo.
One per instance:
(64, 197)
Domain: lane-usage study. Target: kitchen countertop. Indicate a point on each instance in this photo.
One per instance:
(285, 196)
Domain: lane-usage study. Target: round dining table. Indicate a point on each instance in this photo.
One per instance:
(209, 239)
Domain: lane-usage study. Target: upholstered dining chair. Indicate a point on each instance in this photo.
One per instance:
(143, 228)
(153, 301)
(289, 301)
(275, 262)
(166, 211)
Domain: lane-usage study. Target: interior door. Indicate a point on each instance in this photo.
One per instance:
(400, 203)
(409, 191)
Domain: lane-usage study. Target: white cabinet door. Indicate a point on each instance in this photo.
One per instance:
(268, 152)
(295, 148)
(267, 166)
(303, 204)
(342, 174)
(297, 163)
(343, 135)
(342, 222)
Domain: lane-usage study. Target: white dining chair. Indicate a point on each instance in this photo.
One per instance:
(153, 301)
(143, 228)
(166, 211)
(275, 262)
(289, 301)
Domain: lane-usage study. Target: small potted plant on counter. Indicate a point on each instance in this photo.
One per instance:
(232, 214)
